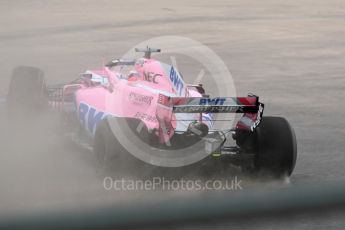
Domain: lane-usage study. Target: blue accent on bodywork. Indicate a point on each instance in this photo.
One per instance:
(93, 118)
(89, 117)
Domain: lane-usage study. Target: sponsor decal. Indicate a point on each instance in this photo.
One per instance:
(176, 80)
(139, 99)
(258, 118)
(145, 117)
(89, 117)
(163, 100)
(212, 101)
(151, 77)
(205, 109)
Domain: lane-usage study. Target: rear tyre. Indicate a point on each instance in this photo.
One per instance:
(276, 147)
(27, 92)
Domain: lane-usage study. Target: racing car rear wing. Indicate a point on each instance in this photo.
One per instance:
(248, 104)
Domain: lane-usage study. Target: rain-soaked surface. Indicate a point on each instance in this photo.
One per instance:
(291, 54)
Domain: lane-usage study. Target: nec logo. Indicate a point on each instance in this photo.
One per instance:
(212, 101)
(151, 77)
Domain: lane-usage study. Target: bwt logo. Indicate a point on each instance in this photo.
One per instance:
(212, 101)
(89, 117)
(176, 80)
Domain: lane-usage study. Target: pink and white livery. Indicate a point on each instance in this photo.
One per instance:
(171, 113)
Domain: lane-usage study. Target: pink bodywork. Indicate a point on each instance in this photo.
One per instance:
(110, 92)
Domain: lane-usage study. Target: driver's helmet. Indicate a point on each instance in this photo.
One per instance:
(133, 75)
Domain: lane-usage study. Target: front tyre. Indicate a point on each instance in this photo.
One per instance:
(27, 92)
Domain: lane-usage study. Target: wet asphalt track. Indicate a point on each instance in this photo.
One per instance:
(291, 54)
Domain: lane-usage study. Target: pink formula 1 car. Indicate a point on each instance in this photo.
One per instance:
(147, 104)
